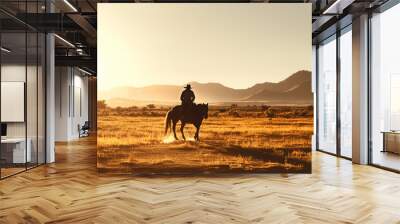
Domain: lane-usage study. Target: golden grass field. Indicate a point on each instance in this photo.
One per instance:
(232, 140)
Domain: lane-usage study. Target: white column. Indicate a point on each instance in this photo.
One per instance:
(360, 90)
(50, 99)
(314, 90)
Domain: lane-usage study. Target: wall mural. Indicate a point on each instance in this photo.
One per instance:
(204, 88)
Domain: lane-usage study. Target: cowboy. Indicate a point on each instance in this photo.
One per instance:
(187, 98)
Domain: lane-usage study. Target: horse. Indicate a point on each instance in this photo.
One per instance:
(195, 116)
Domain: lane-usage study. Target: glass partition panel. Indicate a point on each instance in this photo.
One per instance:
(385, 89)
(14, 153)
(41, 99)
(327, 96)
(22, 88)
(31, 98)
(346, 94)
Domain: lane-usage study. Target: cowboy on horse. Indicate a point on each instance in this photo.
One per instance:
(187, 112)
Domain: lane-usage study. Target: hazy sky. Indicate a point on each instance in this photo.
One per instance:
(237, 45)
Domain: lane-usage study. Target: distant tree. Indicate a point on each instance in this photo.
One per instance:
(101, 104)
(151, 106)
(234, 105)
(119, 110)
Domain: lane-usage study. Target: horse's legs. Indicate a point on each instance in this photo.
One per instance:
(182, 127)
(196, 136)
(174, 129)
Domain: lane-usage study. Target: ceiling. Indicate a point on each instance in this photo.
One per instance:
(75, 21)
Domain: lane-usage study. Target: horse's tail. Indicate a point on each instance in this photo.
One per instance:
(168, 121)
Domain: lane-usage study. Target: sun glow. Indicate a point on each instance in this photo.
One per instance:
(168, 139)
(190, 32)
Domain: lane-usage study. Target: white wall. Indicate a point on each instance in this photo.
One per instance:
(62, 82)
(12, 73)
(71, 102)
(80, 110)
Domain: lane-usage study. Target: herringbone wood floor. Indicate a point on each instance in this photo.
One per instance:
(71, 191)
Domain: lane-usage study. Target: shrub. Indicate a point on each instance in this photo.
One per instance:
(270, 113)
(223, 110)
(151, 106)
(234, 113)
(265, 107)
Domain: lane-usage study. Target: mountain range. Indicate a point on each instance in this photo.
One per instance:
(296, 89)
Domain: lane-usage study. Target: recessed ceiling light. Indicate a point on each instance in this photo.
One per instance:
(70, 5)
(84, 71)
(335, 7)
(64, 40)
(5, 50)
(331, 7)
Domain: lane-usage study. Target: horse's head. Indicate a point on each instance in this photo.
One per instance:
(204, 110)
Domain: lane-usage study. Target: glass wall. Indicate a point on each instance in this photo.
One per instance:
(22, 94)
(385, 89)
(13, 89)
(345, 92)
(334, 96)
(31, 98)
(327, 95)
